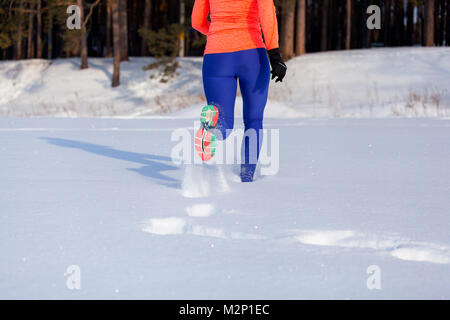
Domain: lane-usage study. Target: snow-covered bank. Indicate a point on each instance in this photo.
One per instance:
(411, 82)
(103, 194)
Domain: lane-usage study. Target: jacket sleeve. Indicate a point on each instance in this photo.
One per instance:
(269, 24)
(200, 16)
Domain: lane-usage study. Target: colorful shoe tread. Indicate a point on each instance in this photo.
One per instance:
(209, 116)
(205, 139)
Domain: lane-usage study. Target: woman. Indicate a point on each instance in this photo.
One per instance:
(234, 51)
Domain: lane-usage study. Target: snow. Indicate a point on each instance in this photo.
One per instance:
(90, 181)
(382, 82)
(200, 210)
(105, 195)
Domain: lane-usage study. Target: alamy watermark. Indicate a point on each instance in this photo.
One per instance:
(73, 22)
(73, 274)
(373, 282)
(374, 20)
(229, 150)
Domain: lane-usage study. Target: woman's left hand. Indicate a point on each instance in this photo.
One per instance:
(278, 67)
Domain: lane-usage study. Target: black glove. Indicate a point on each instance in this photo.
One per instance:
(278, 66)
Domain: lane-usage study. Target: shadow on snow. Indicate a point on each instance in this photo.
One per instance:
(152, 165)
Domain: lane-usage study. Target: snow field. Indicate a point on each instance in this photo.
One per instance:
(383, 82)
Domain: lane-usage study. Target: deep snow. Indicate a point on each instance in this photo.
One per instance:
(104, 194)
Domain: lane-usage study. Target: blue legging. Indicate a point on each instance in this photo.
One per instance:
(221, 72)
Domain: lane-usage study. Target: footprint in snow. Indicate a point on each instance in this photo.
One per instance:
(401, 248)
(177, 226)
(200, 181)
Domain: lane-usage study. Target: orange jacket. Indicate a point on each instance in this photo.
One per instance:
(236, 24)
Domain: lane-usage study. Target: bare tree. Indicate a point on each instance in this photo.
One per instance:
(116, 42)
(83, 37)
(429, 23)
(300, 43)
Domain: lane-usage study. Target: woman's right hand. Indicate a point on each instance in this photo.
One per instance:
(278, 67)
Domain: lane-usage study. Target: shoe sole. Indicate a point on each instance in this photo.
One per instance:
(205, 139)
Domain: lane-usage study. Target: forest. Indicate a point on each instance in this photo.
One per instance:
(161, 28)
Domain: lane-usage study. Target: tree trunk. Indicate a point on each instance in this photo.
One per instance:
(445, 20)
(146, 25)
(30, 33)
(437, 23)
(49, 35)
(116, 42)
(324, 36)
(83, 39)
(133, 44)
(364, 28)
(123, 30)
(410, 24)
(18, 46)
(300, 45)
(447, 28)
(441, 17)
(401, 22)
(310, 25)
(181, 46)
(387, 23)
(99, 38)
(369, 33)
(429, 23)
(334, 20)
(348, 26)
(108, 30)
(287, 34)
(39, 29)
